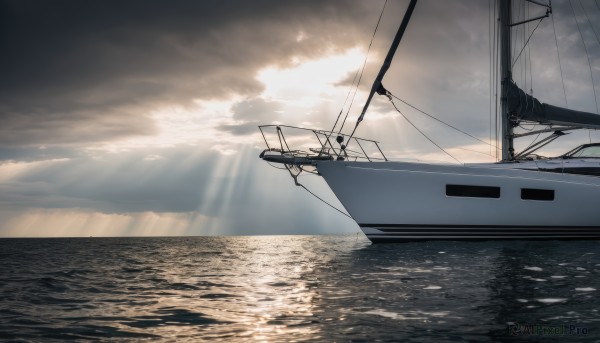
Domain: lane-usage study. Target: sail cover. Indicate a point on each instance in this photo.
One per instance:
(528, 108)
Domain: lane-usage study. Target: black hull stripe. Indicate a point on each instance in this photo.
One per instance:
(499, 235)
(402, 239)
(495, 233)
(443, 226)
(390, 233)
(491, 235)
(486, 230)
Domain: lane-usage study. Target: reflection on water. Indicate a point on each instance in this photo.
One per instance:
(295, 288)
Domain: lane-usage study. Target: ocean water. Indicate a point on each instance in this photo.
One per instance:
(298, 288)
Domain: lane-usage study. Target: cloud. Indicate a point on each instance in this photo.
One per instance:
(176, 180)
(80, 73)
(39, 153)
(126, 182)
(168, 87)
(197, 192)
(250, 113)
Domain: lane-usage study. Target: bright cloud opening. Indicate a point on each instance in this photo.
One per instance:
(309, 83)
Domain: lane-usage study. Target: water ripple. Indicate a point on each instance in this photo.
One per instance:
(292, 288)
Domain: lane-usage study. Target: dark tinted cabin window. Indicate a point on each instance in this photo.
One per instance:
(537, 194)
(472, 191)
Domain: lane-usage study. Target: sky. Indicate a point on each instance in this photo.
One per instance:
(139, 118)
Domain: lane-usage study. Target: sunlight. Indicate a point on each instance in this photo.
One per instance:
(228, 175)
(78, 223)
(307, 87)
(309, 83)
(11, 170)
(178, 125)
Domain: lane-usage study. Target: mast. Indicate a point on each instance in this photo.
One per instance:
(506, 75)
(377, 86)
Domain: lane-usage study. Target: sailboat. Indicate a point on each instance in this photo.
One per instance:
(521, 196)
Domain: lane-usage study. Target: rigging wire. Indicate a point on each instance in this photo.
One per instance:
(436, 119)
(530, 68)
(514, 37)
(589, 22)
(526, 27)
(529, 56)
(587, 55)
(361, 75)
(421, 132)
(523, 66)
(562, 80)
(598, 39)
(496, 72)
(533, 141)
(345, 100)
(490, 49)
(527, 42)
(471, 150)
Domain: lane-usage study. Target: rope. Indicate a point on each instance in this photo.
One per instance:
(295, 177)
(421, 132)
(276, 167)
(325, 202)
(526, 129)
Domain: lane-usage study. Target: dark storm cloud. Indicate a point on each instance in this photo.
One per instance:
(81, 72)
(87, 71)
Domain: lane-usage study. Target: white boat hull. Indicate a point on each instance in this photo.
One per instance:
(400, 201)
